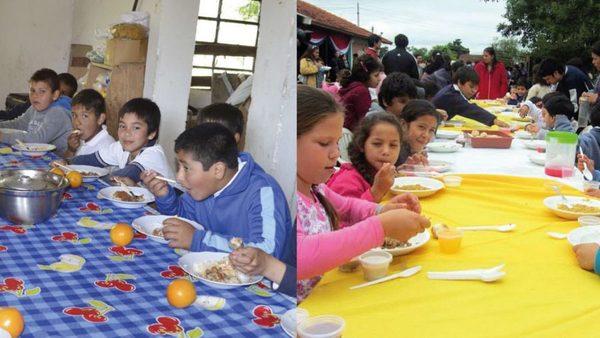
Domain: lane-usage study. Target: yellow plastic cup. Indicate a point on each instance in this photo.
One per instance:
(450, 240)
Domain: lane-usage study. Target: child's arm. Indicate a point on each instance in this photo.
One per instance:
(350, 210)
(54, 125)
(588, 256)
(20, 123)
(349, 183)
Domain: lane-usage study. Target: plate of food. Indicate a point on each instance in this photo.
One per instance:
(447, 134)
(443, 147)
(538, 158)
(88, 172)
(34, 149)
(123, 199)
(398, 248)
(587, 234)
(522, 134)
(215, 270)
(419, 186)
(571, 207)
(152, 225)
(535, 144)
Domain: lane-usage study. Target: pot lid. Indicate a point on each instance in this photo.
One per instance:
(28, 180)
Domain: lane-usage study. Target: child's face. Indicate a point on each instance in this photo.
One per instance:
(521, 90)
(397, 105)
(86, 121)
(198, 183)
(468, 89)
(421, 131)
(317, 151)
(41, 95)
(133, 133)
(548, 119)
(383, 145)
(373, 80)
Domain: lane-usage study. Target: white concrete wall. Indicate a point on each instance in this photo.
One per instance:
(34, 34)
(271, 132)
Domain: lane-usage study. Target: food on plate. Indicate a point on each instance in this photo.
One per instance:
(411, 187)
(124, 196)
(88, 173)
(390, 243)
(579, 208)
(437, 228)
(220, 271)
(158, 232)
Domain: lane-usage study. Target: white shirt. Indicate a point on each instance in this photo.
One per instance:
(149, 158)
(99, 141)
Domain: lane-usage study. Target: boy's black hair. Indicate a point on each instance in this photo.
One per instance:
(373, 39)
(558, 104)
(596, 48)
(70, 81)
(551, 65)
(401, 41)
(146, 110)
(224, 113)
(396, 84)
(431, 88)
(209, 143)
(362, 68)
(464, 75)
(522, 82)
(595, 115)
(91, 100)
(535, 99)
(417, 108)
(46, 75)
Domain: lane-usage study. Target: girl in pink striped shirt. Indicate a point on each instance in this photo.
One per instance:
(321, 244)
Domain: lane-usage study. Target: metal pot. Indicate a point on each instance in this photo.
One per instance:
(30, 196)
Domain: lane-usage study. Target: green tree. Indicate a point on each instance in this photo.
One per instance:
(250, 11)
(457, 48)
(508, 51)
(418, 51)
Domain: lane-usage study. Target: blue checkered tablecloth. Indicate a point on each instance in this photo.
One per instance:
(72, 304)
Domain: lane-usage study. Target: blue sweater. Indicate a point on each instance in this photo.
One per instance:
(453, 101)
(573, 84)
(590, 145)
(252, 207)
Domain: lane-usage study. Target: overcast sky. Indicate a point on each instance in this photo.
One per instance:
(426, 22)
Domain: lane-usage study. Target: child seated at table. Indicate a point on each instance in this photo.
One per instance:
(533, 109)
(518, 92)
(137, 149)
(557, 112)
(89, 130)
(397, 89)
(46, 120)
(226, 191)
(588, 256)
(454, 99)
(419, 122)
(373, 151)
(225, 114)
(590, 143)
(322, 245)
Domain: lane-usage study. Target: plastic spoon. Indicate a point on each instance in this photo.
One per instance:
(404, 273)
(485, 275)
(501, 228)
(19, 142)
(126, 188)
(556, 235)
(556, 189)
(587, 174)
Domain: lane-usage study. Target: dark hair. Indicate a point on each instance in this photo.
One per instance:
(70, 81)
(492, 52)
(356, 148)
(535, 100)
(558, 104)
(48, 76)
(417, 108)
(401, 41)
(225, 114)
(309, 53)
(549, 66)
(522, 82)
(396, 85)
(464, 75)
(595, 115)
(144, 109)
(373, 39)
(437, 62)
(362, 69)
(456, 65)
(314, 105)
(209, 143)
(91, 100)
(431, 88)
(596, 48)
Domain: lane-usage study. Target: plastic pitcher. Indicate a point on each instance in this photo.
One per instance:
(561, 149)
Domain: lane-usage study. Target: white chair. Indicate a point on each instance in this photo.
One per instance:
(343, 145)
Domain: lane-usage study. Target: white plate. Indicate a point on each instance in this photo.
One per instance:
(553, 202)
(587, 234)
(522, 134)
(447, 134)
(432, 184)
(34, 149)
(108, 192)
(443, 147)
(439, 166)
(538, 158)
(88, 168)
(147, 224)
(9, 131)
(535, 144)
(415, 242)
(188, 261)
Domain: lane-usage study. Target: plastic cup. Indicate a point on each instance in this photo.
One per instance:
(450, 240)
(375, 264)
(324, 326)
(452, 181)
(590, 185)
(588, 220)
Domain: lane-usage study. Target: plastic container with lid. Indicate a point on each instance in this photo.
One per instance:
(561, 149)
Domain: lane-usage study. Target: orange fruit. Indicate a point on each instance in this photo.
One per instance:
(75, 179)
(181, 293)
(11, 321)
(57, 171)
(121, 234)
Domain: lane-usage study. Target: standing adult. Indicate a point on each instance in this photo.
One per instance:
(493, 80)
(399, 59)
(310, 65)
(569, 80)
(374, 44)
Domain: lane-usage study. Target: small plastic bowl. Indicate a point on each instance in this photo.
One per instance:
(450, 240)
(452, 181)
(590, 185)
(324, 326)
(588, 220)
(375, 264)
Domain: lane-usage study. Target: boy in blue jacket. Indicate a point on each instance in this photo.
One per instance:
(228, 193)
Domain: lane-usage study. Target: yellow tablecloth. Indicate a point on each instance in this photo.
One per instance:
(544, 294)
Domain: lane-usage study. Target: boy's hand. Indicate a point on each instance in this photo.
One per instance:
(251, 261)
(179, 233)
(402, 224)
(523, 110)
(157, 187)
(501, 123)
(74, 141)
(586, 255)
(403, 201)
(383, 181)
(592, 97)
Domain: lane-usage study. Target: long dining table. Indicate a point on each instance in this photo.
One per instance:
(68, 279)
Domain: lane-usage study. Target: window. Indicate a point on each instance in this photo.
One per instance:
(226, 37)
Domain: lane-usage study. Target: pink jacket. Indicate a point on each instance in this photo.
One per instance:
(349, 182)
(357, 101)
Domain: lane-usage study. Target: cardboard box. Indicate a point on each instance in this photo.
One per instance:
(78, 61)
(123, 50)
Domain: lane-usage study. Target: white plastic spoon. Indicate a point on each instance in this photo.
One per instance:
(556, 235)
(587, 174)
(501, 228)
(485, 275)
(404, 273)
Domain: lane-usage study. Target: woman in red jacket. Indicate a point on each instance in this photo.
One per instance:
(493, 80)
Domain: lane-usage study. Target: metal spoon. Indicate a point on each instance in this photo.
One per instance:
(587, 174)
(501, 228)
